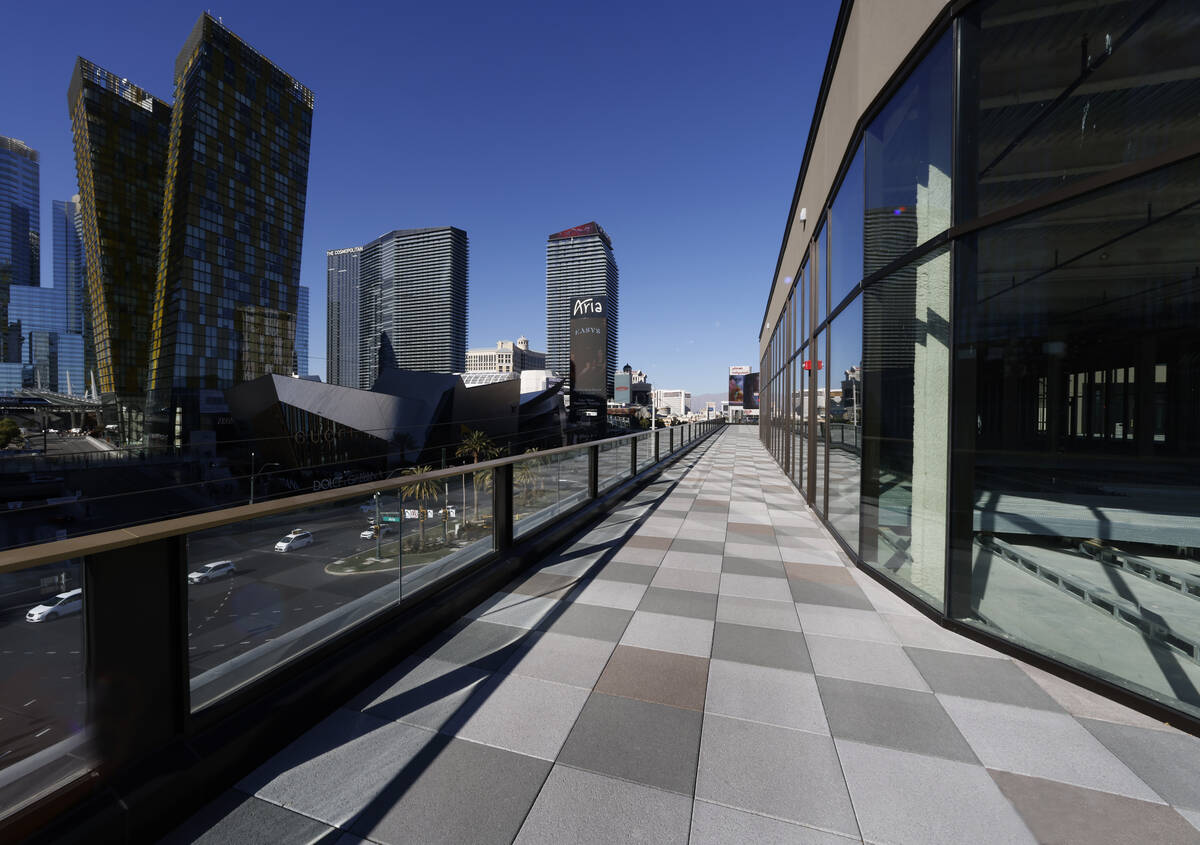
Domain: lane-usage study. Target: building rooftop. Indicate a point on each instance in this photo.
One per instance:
(704, 666)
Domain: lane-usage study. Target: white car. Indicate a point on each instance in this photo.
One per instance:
(298, 539)
(64, 603)
(375, 531)
(212, 571)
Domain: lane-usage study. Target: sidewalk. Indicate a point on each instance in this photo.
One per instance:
(704, 667)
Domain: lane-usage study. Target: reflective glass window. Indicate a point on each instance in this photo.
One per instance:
(845, 247)
(845, 421)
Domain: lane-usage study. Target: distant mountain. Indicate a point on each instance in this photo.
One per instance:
(700, 400)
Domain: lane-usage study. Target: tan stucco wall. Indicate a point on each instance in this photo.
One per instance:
(879, 34)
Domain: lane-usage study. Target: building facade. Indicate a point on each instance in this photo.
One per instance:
(120, 137)
(579, 263)
(507, 357)
(341, 327)
(70, 272)
(20, 238)
(1006, 281)
(678, 402)
(302, 332)
(232, 222)
(52, 357)
(412, 308)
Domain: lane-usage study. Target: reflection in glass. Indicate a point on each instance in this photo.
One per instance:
(614, 460)
(845, 422)
(1067, 90)
(1079, 473)
(906, 377)
(907, 162)
(845, 250)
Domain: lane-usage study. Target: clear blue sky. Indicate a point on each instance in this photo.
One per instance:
(678, 127)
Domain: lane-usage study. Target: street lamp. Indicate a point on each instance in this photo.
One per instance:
(379, 530)
(261, 469)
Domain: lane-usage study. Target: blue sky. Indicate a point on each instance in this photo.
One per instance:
(678, 127)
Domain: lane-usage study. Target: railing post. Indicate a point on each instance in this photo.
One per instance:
(633, 456)
(671, 438)
(502, 507)
(657, 456)
(593, 472)
(135, 623)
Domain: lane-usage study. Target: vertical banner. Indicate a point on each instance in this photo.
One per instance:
(737, 384)
(589, 334)
(750, 391)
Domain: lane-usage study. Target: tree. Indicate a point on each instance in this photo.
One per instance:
(420, 491)
(9, 431)
(478, 447)
(527, 474)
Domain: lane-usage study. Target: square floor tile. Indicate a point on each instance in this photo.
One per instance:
(761, 647)
(988, 678)
(458, 792)
(631, 573)
(680, 602)
(238, 817)
(621, 594)
(677, 680)
(694, 561)
(912, 798)
(545, 584)
(922, 632)
(762, 694)
(666, 632)
(579, 806)
(844, 622)
(484, 645)
(1083, 703)
(713, 824)
(1042, 744)
(1168, 761)
(686, 579)
(754, 587)
(639, 556)
(526, 715)
(863, 660)
(588, 620)
(892, 717)
(684, 543)
(425, 693)
(749, 566)
(562, 658)
(814, 592)
(648, 743)
(804, 783)
(513, 609)
(1071, 815)
(647, 541)
(754, 551)
(758, 612)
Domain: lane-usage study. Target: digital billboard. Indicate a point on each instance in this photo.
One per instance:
(589, 335)
(750, 391)
(737, 386)
(622, 388)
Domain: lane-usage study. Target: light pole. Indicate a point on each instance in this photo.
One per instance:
(253, 474)
(378, 530)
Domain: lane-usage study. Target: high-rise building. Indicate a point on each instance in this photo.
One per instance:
(506, 357)
(579, 263)
(19, 233)
(120, 134)
(302, 332)
(70, 268)
(233, 217)
(341, 330)
(52, 357)
(413, 302)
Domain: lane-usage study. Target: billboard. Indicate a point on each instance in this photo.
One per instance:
(750, 391)
(589, 336)
(737, 386)
(623, 388)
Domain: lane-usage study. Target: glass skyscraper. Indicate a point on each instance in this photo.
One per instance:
(413, 302)
(341, 331)
(19, 235)
(579, 262)
(302, 333)
(226, 294)
(70, 269)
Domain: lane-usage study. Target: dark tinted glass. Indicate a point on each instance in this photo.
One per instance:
(845, 421)
(845, 249)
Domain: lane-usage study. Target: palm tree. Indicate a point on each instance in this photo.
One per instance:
(421, 491)
(527, 475)
(478, 447)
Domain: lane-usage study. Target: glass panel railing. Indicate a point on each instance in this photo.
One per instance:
(43, 698)
(614, 464)
(645, 450)
(537, 491)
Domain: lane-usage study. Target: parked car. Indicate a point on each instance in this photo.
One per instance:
(61, 605)
(375, 531)
(298, 539)
(212, 571)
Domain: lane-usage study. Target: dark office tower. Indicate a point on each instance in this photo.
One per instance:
(120, 134)
(579, 263)
(413, 302)
(70, 269)
(341, 328)
(19, 228)
(302, 333)
(226, 295)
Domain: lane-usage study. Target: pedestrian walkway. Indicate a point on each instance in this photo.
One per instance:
(704, 666)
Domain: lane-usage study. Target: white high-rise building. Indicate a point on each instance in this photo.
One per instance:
(579, 262)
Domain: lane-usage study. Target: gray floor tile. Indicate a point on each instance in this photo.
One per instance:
(1042, 744)
(713, 824)
(687, 579)
(484, 645)
(514, 609)
(896, 718)
(526, 715)
(695, 561)
(633, 573)
(1071, 815)
(1083, 703)
(562, 658)
(912, 798)
(456, 792)
(620, 594)
(648, 743)
(844, 622)
(1169, 761)
(679, 602)
(991, 679)
(920, 632)
(761, 646)
(677, 680)
(805, 783)
(639, 556)
(758, 612)
(666, 632)
(863, 660)
(755, 587)
(831, 595)
(750, 566)
(584, 807)
(684, 543)
(425, 693)
(588, 620)
(763, 694)
(238, 817)
(754, 551)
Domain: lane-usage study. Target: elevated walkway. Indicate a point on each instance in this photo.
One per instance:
(703, 666)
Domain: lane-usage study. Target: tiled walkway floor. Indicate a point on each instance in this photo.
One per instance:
(703, 666)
